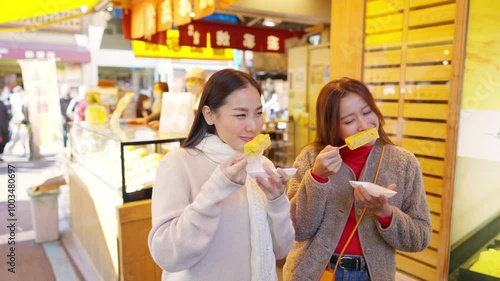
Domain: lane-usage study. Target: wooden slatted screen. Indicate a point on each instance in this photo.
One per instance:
(408, 66)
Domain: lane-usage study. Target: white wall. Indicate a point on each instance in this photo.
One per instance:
(476, 198)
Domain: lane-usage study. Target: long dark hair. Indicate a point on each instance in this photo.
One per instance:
(328, 111)
(163, 86)
(140, 109)
(219, 86)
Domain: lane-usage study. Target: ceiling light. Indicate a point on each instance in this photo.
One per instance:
(270, 22)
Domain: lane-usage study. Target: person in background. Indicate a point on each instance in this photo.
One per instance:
(195, 82)
(80, 95)
(19, 121)
(158, 90)
(325, 208)
(4, 96)
(270, 101)
(221, 224)
(143, 108)
(153, 120)
(64, 102)
(4, 127)
(80, 108)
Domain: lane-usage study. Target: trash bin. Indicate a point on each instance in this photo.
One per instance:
(44, 213)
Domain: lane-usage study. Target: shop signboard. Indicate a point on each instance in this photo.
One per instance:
(165, 17)
(203, 8)
(40, 85)
(181, 11)
(144, 14)
(172, 49)
(22, 50)
(148, 17)
(223, 35)
(18, 10)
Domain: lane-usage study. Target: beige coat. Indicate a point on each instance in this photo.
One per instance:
(320, 211)
(201, 223)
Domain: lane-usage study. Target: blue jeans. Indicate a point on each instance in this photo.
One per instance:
(351, 275)
(345, 271)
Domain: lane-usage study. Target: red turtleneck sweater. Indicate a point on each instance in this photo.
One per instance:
(356, 160)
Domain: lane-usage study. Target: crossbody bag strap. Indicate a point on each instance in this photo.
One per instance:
(359, 220)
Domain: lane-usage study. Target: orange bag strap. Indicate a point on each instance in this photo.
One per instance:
(359, 220)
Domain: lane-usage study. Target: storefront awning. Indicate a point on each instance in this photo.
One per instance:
(25, 9)
(18, 50)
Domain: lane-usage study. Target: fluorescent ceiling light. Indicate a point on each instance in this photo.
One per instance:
(270, 22)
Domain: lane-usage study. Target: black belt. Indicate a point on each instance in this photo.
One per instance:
(349, 262)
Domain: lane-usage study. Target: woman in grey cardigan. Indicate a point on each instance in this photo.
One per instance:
(325, 208)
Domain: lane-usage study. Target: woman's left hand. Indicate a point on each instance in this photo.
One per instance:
(155, 125)
(274, 186)
(378, 205)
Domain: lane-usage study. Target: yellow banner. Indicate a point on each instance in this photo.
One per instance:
(174, 51)
(18, 10)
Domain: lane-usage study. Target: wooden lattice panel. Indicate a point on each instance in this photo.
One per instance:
(408, 66)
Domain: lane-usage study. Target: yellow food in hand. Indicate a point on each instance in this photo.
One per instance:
(361, 138)
(257, 145)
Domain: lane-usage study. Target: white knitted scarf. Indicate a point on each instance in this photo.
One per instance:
(263, 261)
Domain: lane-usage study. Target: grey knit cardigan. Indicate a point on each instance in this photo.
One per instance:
(320, 211)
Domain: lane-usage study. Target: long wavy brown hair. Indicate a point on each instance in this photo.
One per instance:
(328, 111)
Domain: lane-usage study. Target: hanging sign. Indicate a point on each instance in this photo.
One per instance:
(40, 85)
(234, 36)
(156, 38)
(165, 17)
(143, 19)
(172, 49)
(147, 19)
(203, 8)
(182, 10)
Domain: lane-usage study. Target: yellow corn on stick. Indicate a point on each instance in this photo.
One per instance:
(361, 138)
(257, 145)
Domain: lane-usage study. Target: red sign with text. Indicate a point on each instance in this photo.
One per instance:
(233, 36)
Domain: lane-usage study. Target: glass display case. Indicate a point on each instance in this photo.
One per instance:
(124, 157)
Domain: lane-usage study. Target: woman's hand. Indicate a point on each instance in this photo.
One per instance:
(274, 186)
(328, 162)
(155, 125)
(234, 168)
(135, 121)
(378, 205)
